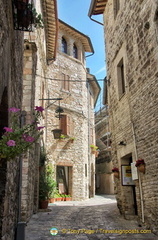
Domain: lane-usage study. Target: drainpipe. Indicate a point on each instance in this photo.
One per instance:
(139, 179)
(89, 165)
(20, 232)
(95, 20)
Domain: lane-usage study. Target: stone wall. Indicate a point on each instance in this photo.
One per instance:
(132, 36)
(11, 50)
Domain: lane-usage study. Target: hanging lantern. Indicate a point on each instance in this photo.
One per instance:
(57, 133)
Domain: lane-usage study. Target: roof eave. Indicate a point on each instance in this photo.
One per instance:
(51, 27)
(84, 38)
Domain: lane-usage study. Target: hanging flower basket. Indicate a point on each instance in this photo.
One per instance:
(93, 148)
(140, 164)
(57, 133)
(116, 174)
(96, 153)
(25, 15)
(115, 170)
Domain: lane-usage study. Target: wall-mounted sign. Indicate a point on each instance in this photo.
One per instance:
(126, 175)
(134, 171)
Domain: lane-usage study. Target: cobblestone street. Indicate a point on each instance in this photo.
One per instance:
(74, 219)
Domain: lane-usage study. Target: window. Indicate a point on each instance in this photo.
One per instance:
(121, 77)
(75, 51)
(116, 7)
(65, 82)
(66, 125)
(64, 45)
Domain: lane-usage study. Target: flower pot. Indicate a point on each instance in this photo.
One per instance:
(58, 199)
(96, 153)
(52, 200)
(141, 168)
(116, 174)
(44, 204)
(68, 198)
(57, 133)
(93, 151)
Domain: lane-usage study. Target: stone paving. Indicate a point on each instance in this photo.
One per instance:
(84, 220)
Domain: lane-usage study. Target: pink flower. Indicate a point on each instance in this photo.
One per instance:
(13, 109)
(11, 143)
(24, 136)
(29, 139)
(39, 128)
(39, 109)
(8, 129)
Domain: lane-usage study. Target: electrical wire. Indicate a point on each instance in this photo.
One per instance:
(70, 80)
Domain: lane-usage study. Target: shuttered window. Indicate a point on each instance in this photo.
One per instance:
(66, 124)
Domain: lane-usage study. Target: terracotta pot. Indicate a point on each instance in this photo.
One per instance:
(52, 200)
(68, 199)
(58, 199)
(141, 168)
(44, 204)
(116, 174)
(96, 153)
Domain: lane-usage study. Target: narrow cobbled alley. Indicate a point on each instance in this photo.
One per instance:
(95, 218)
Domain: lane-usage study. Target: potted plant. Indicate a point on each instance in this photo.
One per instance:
(96, 153)
(57, 133)
(72, 139)
(52, 198)
(46, 186)
(62, 137)
(68, 198)
(25, 15)
(115, 170)
(93, 148)
(140, 164)
(58, 197)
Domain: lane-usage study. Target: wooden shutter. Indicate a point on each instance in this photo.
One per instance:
(63, 124)
(67, 126)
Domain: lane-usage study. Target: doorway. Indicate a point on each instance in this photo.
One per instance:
(64, 179)
(129, 191)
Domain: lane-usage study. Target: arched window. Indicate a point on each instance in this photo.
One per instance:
(64, 45)
(75, 51)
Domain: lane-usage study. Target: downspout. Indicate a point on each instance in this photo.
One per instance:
(89, 165)
(139, 179)
(90, 16)
(89, 55)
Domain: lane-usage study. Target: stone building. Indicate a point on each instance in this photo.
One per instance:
(104, 176)
(24, 57)
(11, 53)
(69, 80)
(39, 51)
(131, 51)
